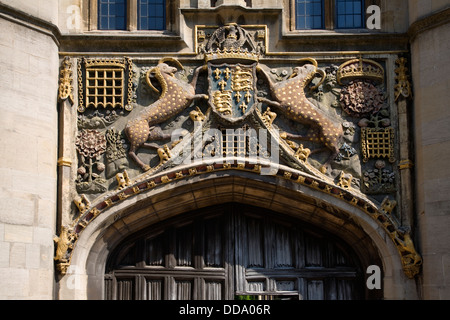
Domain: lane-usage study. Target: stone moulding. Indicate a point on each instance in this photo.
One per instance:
(411, 260)
(433, 20)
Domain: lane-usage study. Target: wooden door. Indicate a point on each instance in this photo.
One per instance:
(232, 251)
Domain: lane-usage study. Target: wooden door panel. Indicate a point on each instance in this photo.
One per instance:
(227, 250)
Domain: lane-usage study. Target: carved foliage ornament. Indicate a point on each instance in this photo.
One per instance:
(403, 86)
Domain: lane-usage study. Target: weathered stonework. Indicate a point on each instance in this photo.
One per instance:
(241, 96)
(90, 155)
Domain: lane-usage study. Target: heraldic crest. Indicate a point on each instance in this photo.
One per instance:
(326, 127)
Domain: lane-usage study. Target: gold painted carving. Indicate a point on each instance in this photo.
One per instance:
(268, 117)
(388, 205)
(360, 69)
(123, 180)
(65, 81)
(165, 179)
(376, 142)
(411, 259)
(64, 162)
(402, 86)
(217, 72)
(302, 153)
(151, 184)
(289, 97)
(164, 154)
(231, 53)
(179, 175)
(122, 196)
(82, 203)
(104, 87)
(242, 80)
(64, 243)
(176, 95)
(197, 115)
(345, 180)
(405, 164)
(287, 175)
(81, 107)
(222, 101)
(105, 83)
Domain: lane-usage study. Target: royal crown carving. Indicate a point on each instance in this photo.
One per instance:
(231, 42)
(360, 69)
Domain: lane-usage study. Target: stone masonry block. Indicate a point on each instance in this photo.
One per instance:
(18, 233)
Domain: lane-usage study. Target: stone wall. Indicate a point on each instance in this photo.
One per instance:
(28, 135)
(430, 70)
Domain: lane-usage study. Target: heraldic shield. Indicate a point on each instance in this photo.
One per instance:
(232, 89)
(232, 57)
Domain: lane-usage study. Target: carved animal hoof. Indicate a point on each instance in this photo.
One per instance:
(205, 96)
(146, 167)
(283, 135)
(323, 169)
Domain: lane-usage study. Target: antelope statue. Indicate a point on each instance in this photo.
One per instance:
(176, 95)
(291, 100)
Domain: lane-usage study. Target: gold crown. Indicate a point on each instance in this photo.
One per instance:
(105, 63)
(360, 69)
(231, 53)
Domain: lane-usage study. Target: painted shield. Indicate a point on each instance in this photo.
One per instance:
(232, 89)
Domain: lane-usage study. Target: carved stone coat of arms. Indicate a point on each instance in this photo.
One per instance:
(330, 123)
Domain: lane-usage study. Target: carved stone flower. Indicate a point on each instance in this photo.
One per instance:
(361, 98)
(380, 164)
(91, 143)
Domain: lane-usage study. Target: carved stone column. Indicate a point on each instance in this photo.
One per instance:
(66, 133)
(402, 97)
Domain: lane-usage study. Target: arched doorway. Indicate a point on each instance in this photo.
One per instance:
(232, 250)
